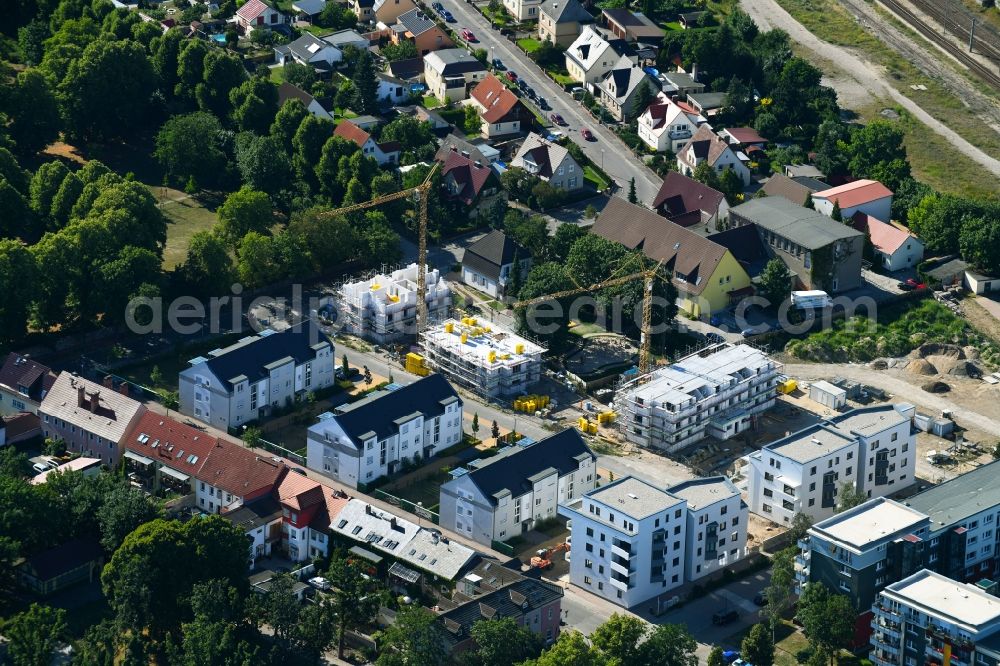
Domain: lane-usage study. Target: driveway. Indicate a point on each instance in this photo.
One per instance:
(618, 161)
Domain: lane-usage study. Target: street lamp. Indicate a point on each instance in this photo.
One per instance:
(602, 159)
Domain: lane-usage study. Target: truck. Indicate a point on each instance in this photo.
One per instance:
(811, 300)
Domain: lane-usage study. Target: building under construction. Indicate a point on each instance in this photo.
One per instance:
(383, 307)
(715, 392)
(487, 359)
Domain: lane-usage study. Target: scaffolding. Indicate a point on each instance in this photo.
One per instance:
(716, 391)
(382, 307)
(489, 360)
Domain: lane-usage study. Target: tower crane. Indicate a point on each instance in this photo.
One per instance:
(421, 193)
(647, 276)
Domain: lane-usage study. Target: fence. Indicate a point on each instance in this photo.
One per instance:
(407, 505)
(281, 451)
(502, 547)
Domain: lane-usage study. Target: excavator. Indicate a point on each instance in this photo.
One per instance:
(542, 559)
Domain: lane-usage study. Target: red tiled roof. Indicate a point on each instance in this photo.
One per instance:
(240, 471)
(855, 194)
(299, 492)
(333, 502)
(495, 98)
(391, 147)
(885, 237)
(465, 172)
(19, 370)
(179, 446)
(351, 132)
(251, 10)
(745, 135)
(679, 196)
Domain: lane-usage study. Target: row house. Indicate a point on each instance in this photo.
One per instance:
(24, 383)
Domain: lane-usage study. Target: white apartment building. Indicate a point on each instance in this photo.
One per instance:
(488, 359)
(383, 307)
(246, 380)
(928, 618)
(497, 498)
(629, 541)
(717, 521)
(715, 392)
(362, 441)
(871, 448)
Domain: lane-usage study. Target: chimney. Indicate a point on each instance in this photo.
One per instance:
(675, 98)
(108, 382)
(81, 395)
(95, 401)
(454, 148)
(478, 165)
(123, 388)
(465, 153)
(392, 522)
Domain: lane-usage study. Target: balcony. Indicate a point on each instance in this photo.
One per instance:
(617, 584)
(622, 569)
(802, 576)
(620, 552)
(883, 640)
(803, 544)
(887, 626)
(801, 562)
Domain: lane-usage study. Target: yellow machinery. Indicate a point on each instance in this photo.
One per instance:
(420, 193)
(647, 305)
(787, 386)
(415, 365)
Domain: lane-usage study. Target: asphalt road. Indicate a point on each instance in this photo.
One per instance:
(606, 150)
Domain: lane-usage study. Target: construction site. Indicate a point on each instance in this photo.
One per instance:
(382, 308)
(489, 360)
(717, 392)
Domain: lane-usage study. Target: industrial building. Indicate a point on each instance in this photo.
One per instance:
(714, 392)
(485, 358)
(383, 307)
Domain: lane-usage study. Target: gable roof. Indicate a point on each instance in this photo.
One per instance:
(690, 257)
(348, 130)
(547, 155)
(108, 418)
(170, 442)
(634, 22)
(64, 558)
(239, 470)
(472, 176)
(407, 68)
(745, 135)
(416, 22)
(588, 48)
(682, 199)
(19, 372)
(523, 596)
(744, 243)
(885, 237)
(249, 357)
(515, 470)
(664, 112)
(377, 414)
(347, 37)
(463, 147)
(780, 185)
(803, 226)
(287, 91)
(252, 9)
(496, 99)
(494, 250)
(565, 11)
(856, 193)
(307, 46)
(707, 145)
(621, 81)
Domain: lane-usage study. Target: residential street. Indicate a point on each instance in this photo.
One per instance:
(607, 151)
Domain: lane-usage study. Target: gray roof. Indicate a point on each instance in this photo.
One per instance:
(802, 226)
(956, 500)
(345, 37)
(634, 498)
(565, 11)
(623, 80)
(515, 600)
(561, 452)
(377, 414)
(250, 357)
(700, 493)
(300, 47)
(811, 443)
(110, 417)
(453, 61)
(491, 252)
(416, 21)
(708, 100)
(682, 80)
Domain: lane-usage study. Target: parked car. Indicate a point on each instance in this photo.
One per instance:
(725, 617)
(729, 656)
(714, 338)
(586, 134)
(39, 467)
(577, 92)
(916, 285)
(320, 583)
(468, 35)
(905, 286)
(448, 17)
(522, 84)
(511, 75)
(530, 92)
(557, 119)
(759, 599)
(543, 103)
(498, 64)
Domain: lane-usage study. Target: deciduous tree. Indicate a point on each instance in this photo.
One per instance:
(502, 642)
(355, 597)
(758, 646)
(414, 639)
(244, 211)
(619, 638)
(187, 147)
(34, 635)
(33, 111)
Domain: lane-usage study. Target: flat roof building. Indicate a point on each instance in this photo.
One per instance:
(383, 307)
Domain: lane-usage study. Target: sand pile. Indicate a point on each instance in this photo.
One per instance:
(921, 367)
(936, 387)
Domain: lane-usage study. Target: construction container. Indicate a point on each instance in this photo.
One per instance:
(787, 386)
(492, 357)
(464, 338)
(519, 348)
(828, 395)
(942, 427)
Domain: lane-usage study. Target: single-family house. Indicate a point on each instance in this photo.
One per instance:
(481, 152)
(347, 37)
(632, 26)
(621, 89)
(449, 73)
(383, 153)
(388, 11)
(823, 254)
(501, 111)
(707, 146)
(522, 10)
(748, 144)
(865, 196)
(257, 14)
(23, 384)
(550, 162)
(667, 124)
(472, 182)
(894, 248)
(392, 91)
(363, 10)
(708, 104)
(707, 276)
(488, 264)
(311, 51)
(421, 29)
(592, 55)
(90, 418)
(287, 91)
(681, 84)
(798, 190)
(560, 21)
(407, 69)
(76, 561)
(687, 202)
(246, 380)
(374, 437)
(498, 498)
(308, 9)
(690, 20)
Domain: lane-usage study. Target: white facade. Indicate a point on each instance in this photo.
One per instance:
(665, 126)
(215, 500)
(717, 520)
(628, 541)
(705, 394)
(880, 208)
(522, 10)
(981, 284)
(872, 449)
(590, 57)
(688, 161)
(384, 307)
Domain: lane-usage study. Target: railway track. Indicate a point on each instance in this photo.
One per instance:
(987, 74)
(959, 22)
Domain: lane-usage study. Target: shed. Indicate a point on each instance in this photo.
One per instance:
(981, 284)
(942, 427)
(828, 395)
(907, 409)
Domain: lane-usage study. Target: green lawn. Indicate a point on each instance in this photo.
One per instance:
(185, 217)
(278, 75)
(562, 79)
(590, 174)
(529, 44)
(671, 25)
(431, 102)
